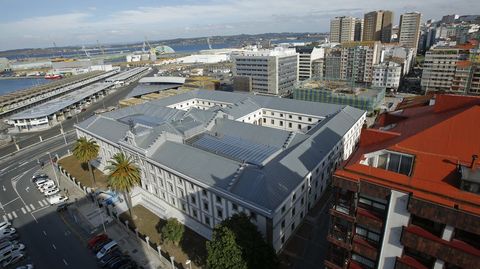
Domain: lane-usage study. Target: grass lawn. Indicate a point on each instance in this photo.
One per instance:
(192, 247)
(81, 173)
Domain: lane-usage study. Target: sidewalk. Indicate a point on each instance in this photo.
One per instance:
(90, 218)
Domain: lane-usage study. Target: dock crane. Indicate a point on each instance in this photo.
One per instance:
(86, 52)
(101, 48)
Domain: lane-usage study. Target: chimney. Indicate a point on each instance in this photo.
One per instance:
(474, 161)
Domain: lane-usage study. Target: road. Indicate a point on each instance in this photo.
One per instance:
(26, 139)
(49, 241)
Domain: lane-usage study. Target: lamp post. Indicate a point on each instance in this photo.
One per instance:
(63, 133)
(171, 260)
(189, 263)
(54, 172)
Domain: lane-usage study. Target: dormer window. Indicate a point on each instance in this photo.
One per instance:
(392, 161)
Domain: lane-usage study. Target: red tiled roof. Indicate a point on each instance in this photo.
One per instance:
(440, 137)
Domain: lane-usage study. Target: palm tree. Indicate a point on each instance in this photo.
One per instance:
(85, 151)
(123, 176)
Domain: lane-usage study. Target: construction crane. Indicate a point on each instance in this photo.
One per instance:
(56, 49)
(100, 47)
(86, 52)
(152, 50)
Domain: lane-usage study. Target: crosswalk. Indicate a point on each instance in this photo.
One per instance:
(28, 208)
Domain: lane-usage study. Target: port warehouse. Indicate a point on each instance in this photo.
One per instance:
(57, 110)
(15, 102)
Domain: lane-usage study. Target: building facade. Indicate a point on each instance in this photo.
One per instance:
(306, 57)
(410, 196)
(345, 29)
(358, 59)
(206, 155)
(272, 71)
(409, 30)
(377, 26)
(387, 74)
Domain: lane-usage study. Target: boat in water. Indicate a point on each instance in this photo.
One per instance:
(52, 76)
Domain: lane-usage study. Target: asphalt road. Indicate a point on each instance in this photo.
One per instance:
(49, 241)
(27, 139)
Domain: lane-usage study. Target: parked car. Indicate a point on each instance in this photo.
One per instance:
(12, 248)
(51, 192)
(4, 225)
(103, 262)
(120, 263)
(112, 245)
(37, 177)
(45, 188)
(62, 207)
(99, 245)
(41, 181)
(45, 185)
(97, 238)
(57, 199)
(8, 238)
(14, 257)
(7, 232)
(26, 266)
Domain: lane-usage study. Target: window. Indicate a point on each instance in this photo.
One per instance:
(303, 187)
(271, 113)
(299, 127)
(205, 206)
(289, 116)
(219, 199)
(283, 209)
(184, 207)
(281, 115)
(272, 121)
(293, 226)
(194, 201)
(204, 192)
(302, 201)
(299, 118)
(283, 224)
(219, 213)
(170, 186)
(293, 212)
(195, 213)
(180, 192)
(365, 261)
(310, 119)
(173, 201)
(207, 221)
(234, 206)
(367, 234)
(372, 202)
(283, 239)
(191, 186)
(281, 123)
(264, 120)
(289, 125)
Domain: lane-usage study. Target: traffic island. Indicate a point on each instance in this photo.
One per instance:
(80, 172)
(147, 224)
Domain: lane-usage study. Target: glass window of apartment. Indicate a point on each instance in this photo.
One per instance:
(272, 121)
(283, 239)
(219, 213)
(205, 206)
(369, 235)
(370, 202)
(310, 119)
(283, 224)
(219, 199)
(289, 116)
(163, 195)
(173, 201)
(281, 123)
(191, 186)
(281, 115)
(293, 211)
(264, 120)
(204, 192)
(170, 186)
(293, 226)
(272, 113)
(289, 125)
(234, 206)
(283, 209)
(195, 213)
(184, 207)
(180, 192)
(193, 199)
(299, 127)
(302, 201)
(207, 221)
(364, 261)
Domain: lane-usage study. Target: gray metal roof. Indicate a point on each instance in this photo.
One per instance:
(143, 89)
(162, 80)
(258, 164)
(57, 104)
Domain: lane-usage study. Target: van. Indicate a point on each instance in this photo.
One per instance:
(107, 248)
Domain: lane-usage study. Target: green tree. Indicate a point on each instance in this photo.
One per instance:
(255, 252)
(86, 150)
(123, 176)
(223, 251)
(173, 231)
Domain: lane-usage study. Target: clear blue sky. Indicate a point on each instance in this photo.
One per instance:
(34, 23)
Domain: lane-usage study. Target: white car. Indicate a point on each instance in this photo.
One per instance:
(51, 192)
(13, 258)
(48, 187)
(42, 181)
(4, 225)
(26, 266)
(46, 184)
(7, 232)
(57, 199)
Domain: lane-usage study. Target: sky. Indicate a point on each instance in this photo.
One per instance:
(34, 24)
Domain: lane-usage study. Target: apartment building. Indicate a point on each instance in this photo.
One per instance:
(387, 74)
(440, 66)
(377, 26)
(358, 59)
(345, 29)
(409, 31)
(409, 197)
(272, 71)
(307, 54)
(467, 78)
(206, 155)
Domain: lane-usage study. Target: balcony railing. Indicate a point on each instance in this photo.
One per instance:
(407, 262)
(454, 252)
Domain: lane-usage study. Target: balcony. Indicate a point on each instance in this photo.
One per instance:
(454, 252)
(369, 219)
(364, 248)
(407, 262)
(340, 238)
(340, 212)
(332, 265)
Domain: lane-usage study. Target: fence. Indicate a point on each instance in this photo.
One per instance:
(82, 187)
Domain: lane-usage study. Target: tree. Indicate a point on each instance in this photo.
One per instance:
(223, 251)
(255, 252)
(173, 231)
(123, 176)
(86, 151)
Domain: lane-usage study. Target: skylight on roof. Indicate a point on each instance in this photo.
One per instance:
(392, 161)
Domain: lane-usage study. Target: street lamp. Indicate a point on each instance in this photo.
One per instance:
(189, 263)
(54, 172)
(173, 264)
(63, 133)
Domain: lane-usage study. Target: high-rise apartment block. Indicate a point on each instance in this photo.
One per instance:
(409, 197)
(345, 29)
(272, 71)
(409, 31)
(387, 74)
(377, 26)
(441, 65)
(307, 54)
(358, 59)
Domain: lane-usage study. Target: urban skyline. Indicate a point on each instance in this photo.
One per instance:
(110, 22)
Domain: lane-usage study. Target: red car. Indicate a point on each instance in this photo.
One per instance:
(96, 239)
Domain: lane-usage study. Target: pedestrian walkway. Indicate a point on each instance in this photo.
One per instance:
(92, 220)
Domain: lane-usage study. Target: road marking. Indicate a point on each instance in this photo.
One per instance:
(3, 187)
(9, 216)
(65, 262)
(28, 208)
(54, 247)
(31, 205)
(14, 214)
(40, 203)
(24, 211)
(11, 201)
(5, 218)
(44, 233)
(27, 189)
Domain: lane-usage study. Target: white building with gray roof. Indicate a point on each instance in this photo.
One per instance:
(206, 155)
